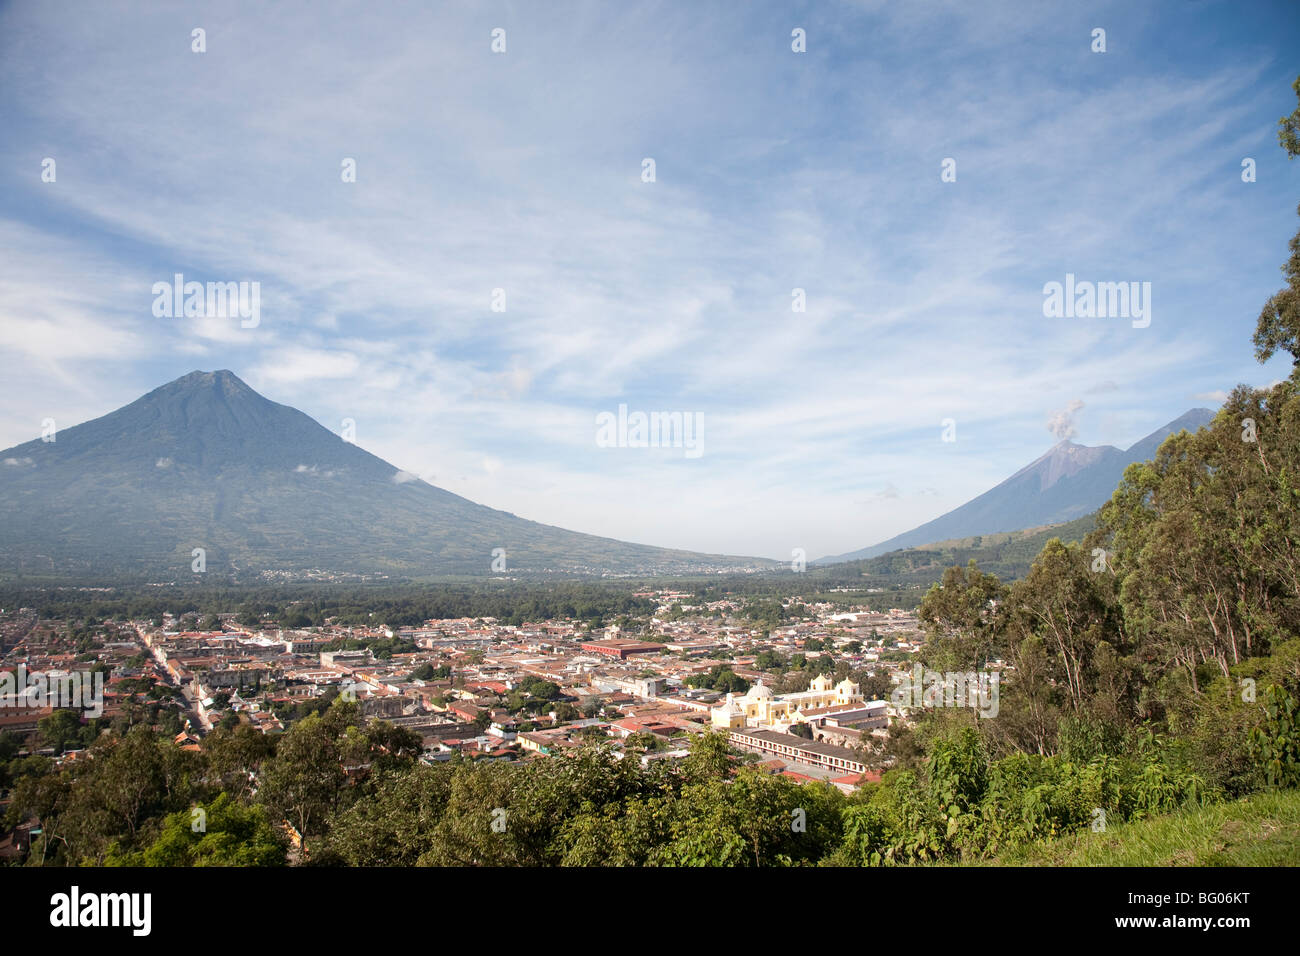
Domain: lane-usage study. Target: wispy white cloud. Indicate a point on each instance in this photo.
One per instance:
(522, 172)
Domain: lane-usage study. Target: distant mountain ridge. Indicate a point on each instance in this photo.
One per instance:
(1067, 482)
(1008, 554)
(207, 462)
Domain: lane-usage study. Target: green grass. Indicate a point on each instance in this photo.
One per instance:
(1259, 830)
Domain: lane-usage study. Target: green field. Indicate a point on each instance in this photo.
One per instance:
(1260, 830)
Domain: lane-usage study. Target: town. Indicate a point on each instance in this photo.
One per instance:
(810, 699)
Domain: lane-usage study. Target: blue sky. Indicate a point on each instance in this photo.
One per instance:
(774, 170)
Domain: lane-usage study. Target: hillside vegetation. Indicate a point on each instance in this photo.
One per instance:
(1259, 830)
(1009, 555)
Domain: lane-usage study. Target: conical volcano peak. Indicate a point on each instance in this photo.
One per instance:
(207, 462)
(1062, 460)
(222, 379)
(1066, 482)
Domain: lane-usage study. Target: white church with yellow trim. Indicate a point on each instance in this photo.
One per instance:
(759, 707)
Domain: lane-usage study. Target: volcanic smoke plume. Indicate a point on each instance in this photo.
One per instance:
(1061, 423)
